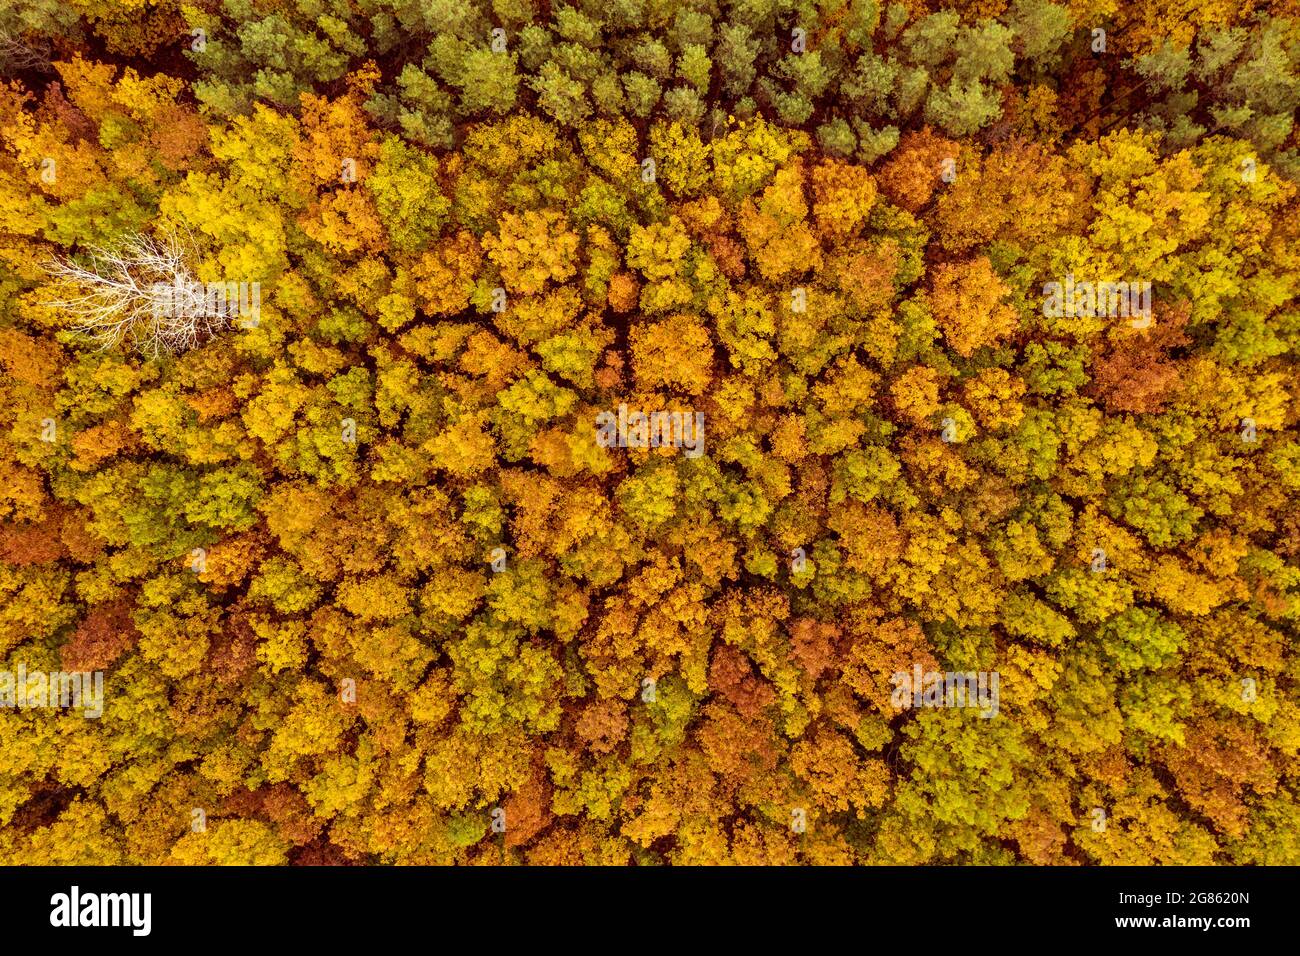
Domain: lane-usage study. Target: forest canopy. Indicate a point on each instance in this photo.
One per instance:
(650, 431)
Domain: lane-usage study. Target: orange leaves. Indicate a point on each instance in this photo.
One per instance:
(839, 779)
(732, 676)
(623, 292)
(337, 146)
(866, 274)
(814, 646)
(28, 360)
(878, 650)
(916, 394)
(345, 223)
(1136, 374)
(603, 724)
(967, 299)
(915, 169)
(842, 198)
(994, 397)
(488, 356)
(779, 239)
(445, 276)
(231, 561)
(1018, 194)
(676, 353)
(101, 637)
(1221, 760)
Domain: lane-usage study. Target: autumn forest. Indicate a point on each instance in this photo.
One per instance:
(636, 432)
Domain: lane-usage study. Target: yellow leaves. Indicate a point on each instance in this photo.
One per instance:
(465, 447)
(313, 725)
(704, 215)
(232, 843)
(1020, 552)
(90, 85)
(1142, 830)
(657, 249)
(82, 835)
(656, 816)
(336, 149)
(1183, 591)
(565, 454)
(141, 122)
(747, 156)
(293, 510)
(916, 394)
(849, 387)
(935, 465)
(596, 792)
(395, 311)
(682, 157)
(433, 700)
(779, 240)
(34, 603)
(994, 396)
(282, 645)
(1122, 155)
(273, 412)
(926, 549)
(1163, 212)
(78, 166)
(1028, 674)
(1091, 596)
(345, 222)
(878, 649)
(1219, 552)
(1037, 114)
(1228, 394)
(836, 434)
(843, 195)
(259, 151)
(611, 146)
(532, 249)
(455, 592)
(649, 496)
(536, 318)
(176, 645)
(393, 653)
(521, 139)
(896, 474)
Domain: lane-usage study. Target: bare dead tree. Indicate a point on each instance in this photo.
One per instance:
(142, 291)
(17, 55)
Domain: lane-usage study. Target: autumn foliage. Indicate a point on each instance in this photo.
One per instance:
(365, 587)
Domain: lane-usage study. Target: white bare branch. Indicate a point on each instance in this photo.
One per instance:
(141, 291)
(17, 55)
